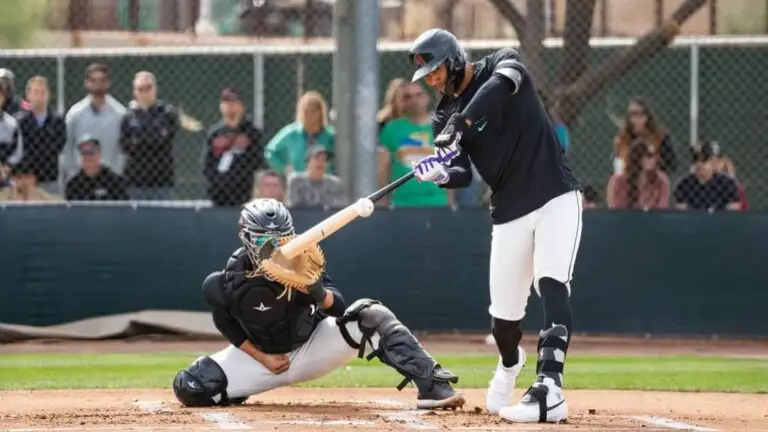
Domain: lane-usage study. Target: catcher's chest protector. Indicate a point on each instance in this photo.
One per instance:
(274, 325)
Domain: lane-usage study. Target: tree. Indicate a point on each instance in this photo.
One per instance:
(19, 20)
(575, 83)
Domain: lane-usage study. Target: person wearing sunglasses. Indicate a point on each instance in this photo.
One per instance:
(147, 133)
(642, 185)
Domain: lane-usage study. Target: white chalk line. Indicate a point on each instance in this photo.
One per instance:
(673, 424)
(225, 420)
(410, 419)
(151, 406)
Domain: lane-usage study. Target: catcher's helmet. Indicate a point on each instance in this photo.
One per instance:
(262, 220)
(434, 48)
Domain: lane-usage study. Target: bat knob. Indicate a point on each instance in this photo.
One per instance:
(364, 207)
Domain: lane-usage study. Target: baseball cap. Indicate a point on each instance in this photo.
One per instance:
(88, 145)
(702, 152)
(21, 168)
(316, 150)
(230, 94)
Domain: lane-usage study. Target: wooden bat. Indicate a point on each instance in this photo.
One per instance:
(361, 208)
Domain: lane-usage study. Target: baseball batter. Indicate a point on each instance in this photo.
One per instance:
(281, 336)
(490, 115)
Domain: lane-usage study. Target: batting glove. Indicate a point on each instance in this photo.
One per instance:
(447, 154)
(431, 169)
(454, 129)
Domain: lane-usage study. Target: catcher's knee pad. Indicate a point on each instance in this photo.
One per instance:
(203, 384)
(398, 347)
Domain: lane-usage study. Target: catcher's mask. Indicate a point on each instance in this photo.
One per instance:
(264, 220)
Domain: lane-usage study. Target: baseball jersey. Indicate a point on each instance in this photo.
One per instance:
(511, 141)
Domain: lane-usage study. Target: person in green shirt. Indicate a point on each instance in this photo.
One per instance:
(405, 140)
(286, 152)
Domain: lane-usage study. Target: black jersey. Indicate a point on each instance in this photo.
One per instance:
(249, 308)
(512, 144)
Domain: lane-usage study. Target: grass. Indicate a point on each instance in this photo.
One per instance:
(670, 373)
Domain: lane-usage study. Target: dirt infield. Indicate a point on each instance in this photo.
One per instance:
(369, 409)
(303, 409)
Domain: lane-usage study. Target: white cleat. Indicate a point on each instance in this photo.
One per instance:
(502, 385)
(544, 402)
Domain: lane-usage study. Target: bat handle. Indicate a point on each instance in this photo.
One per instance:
(379, 194)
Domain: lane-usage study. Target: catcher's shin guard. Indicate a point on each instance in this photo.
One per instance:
(203, 384)
(397, 348)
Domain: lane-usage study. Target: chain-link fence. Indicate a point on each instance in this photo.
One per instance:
(258, 118)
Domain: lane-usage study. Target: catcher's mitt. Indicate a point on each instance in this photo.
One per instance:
(298, 273)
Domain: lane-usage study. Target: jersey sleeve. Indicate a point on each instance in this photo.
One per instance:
(506, 63)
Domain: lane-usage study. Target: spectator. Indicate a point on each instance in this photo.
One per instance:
(706, 189)
(640, 122)
(44, 133)
(591, 199)
(271, 184)
(287, 150)
(723, 164)
(12, 103)
(11, 143)
(408, 139)
(394, 102)
(315, 187)
(24, 186)
(558, 127)
(98, 115)
(95, 181)
(147, 133)
(233, 153)
(641, 185)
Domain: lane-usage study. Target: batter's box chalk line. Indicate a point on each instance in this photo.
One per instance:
(225, 420)
(673, 424)
(152, 406)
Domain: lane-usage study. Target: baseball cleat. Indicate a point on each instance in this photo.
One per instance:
(502, 385)
(544, 402)
(441, 396)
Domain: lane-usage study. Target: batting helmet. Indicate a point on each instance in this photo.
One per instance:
(434, 48)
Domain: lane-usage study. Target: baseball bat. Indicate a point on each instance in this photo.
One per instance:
(361, 208)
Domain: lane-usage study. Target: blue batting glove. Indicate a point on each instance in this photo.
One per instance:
(431, 169)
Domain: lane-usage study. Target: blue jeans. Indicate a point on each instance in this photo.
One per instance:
(149, 194)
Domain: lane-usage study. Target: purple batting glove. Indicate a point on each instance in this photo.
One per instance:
(431, 169)
(450, 152)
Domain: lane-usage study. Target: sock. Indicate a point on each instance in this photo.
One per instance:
(556, 336)
(507, 335)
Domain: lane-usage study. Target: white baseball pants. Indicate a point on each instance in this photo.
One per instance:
(324, 352)
(543, 243)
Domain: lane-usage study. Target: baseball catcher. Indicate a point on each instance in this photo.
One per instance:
(287, 323)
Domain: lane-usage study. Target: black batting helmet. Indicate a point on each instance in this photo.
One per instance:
(434, 48)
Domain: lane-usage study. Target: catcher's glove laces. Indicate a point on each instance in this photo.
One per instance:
(298, 273)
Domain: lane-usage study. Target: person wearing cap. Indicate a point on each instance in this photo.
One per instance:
(44, 133)
(98, 115)
(95, 181)
(286, 152)
(12, 103)
(315, 187)
(24, 186)
(233, 153)
(706, 189)
(147, 133)
(11, 141)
